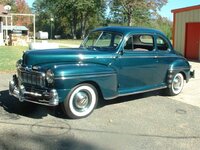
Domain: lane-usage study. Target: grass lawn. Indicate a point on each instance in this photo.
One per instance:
(64, 41)
(8, 57)
(10, 54)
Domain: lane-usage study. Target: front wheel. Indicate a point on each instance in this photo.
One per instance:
(81, 101)
(176, 86)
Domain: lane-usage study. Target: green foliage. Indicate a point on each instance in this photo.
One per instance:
(164, 25)
(42, 15)
(133, 11)
(75, 18)
(9, 2)
(139, 13)
(71, 18)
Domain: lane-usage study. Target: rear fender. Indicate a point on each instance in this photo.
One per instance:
(178, 66)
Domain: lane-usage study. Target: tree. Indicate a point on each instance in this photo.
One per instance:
(79, 13)
(71, 17)
(132, 10)
(41, 9)
(74, 18)
(18, 6)
(163, 24)
(8, 2)
(22, 8)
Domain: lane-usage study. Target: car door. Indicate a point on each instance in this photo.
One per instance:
(138, 65)
(165, 56)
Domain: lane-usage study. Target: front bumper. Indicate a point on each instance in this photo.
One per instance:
(49, 98)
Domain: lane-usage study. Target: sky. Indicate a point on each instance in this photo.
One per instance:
(175, 4)
(30, 2)
(166, 10)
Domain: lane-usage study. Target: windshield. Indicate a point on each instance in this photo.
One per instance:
(102, 40)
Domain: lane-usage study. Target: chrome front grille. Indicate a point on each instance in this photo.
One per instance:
(31, 77)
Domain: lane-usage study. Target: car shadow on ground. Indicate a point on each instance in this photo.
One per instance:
(13, 107)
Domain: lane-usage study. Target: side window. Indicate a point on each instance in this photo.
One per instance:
(140, 42)
(162, 44)
(146, 39)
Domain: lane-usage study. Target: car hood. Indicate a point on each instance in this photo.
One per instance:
(40, 57)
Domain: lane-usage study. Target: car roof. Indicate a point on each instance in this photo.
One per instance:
(126, 30)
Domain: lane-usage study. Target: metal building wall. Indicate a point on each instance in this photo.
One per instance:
(181, 19)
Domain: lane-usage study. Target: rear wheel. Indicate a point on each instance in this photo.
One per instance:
(176, 86)
(81, 101)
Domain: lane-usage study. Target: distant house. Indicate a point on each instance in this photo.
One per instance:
(21, 30)
(15, 34)
(2, 15)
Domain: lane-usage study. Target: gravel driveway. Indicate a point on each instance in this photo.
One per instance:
(144, 121)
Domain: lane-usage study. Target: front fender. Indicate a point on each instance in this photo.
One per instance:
(69, 75)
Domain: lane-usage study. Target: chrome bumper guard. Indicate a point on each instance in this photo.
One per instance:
(45, 98)
(192, 74)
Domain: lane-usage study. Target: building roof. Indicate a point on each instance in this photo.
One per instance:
(19, 28)
(127, 30)
(186, 9)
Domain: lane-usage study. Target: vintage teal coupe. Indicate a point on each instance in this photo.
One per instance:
(111, 62)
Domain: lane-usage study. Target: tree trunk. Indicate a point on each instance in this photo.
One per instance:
(84, 25)
(82, 28)
(74, 25)
(129, 20)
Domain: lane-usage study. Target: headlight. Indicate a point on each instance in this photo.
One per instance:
(49, 76)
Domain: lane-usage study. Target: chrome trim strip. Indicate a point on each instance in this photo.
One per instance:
(32, 93)
(110, 98)
(26, 69)
(155, 56)
(180, 68)
(123, 57)
(85, 76)
(144, 91)
(45, 104)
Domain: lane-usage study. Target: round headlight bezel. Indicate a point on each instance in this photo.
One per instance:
(49, 76)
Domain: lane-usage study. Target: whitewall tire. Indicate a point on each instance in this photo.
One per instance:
(81, 101)
(176, 85)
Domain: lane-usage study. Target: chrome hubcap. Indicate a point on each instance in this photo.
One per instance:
(82, 100)
(177, 84)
